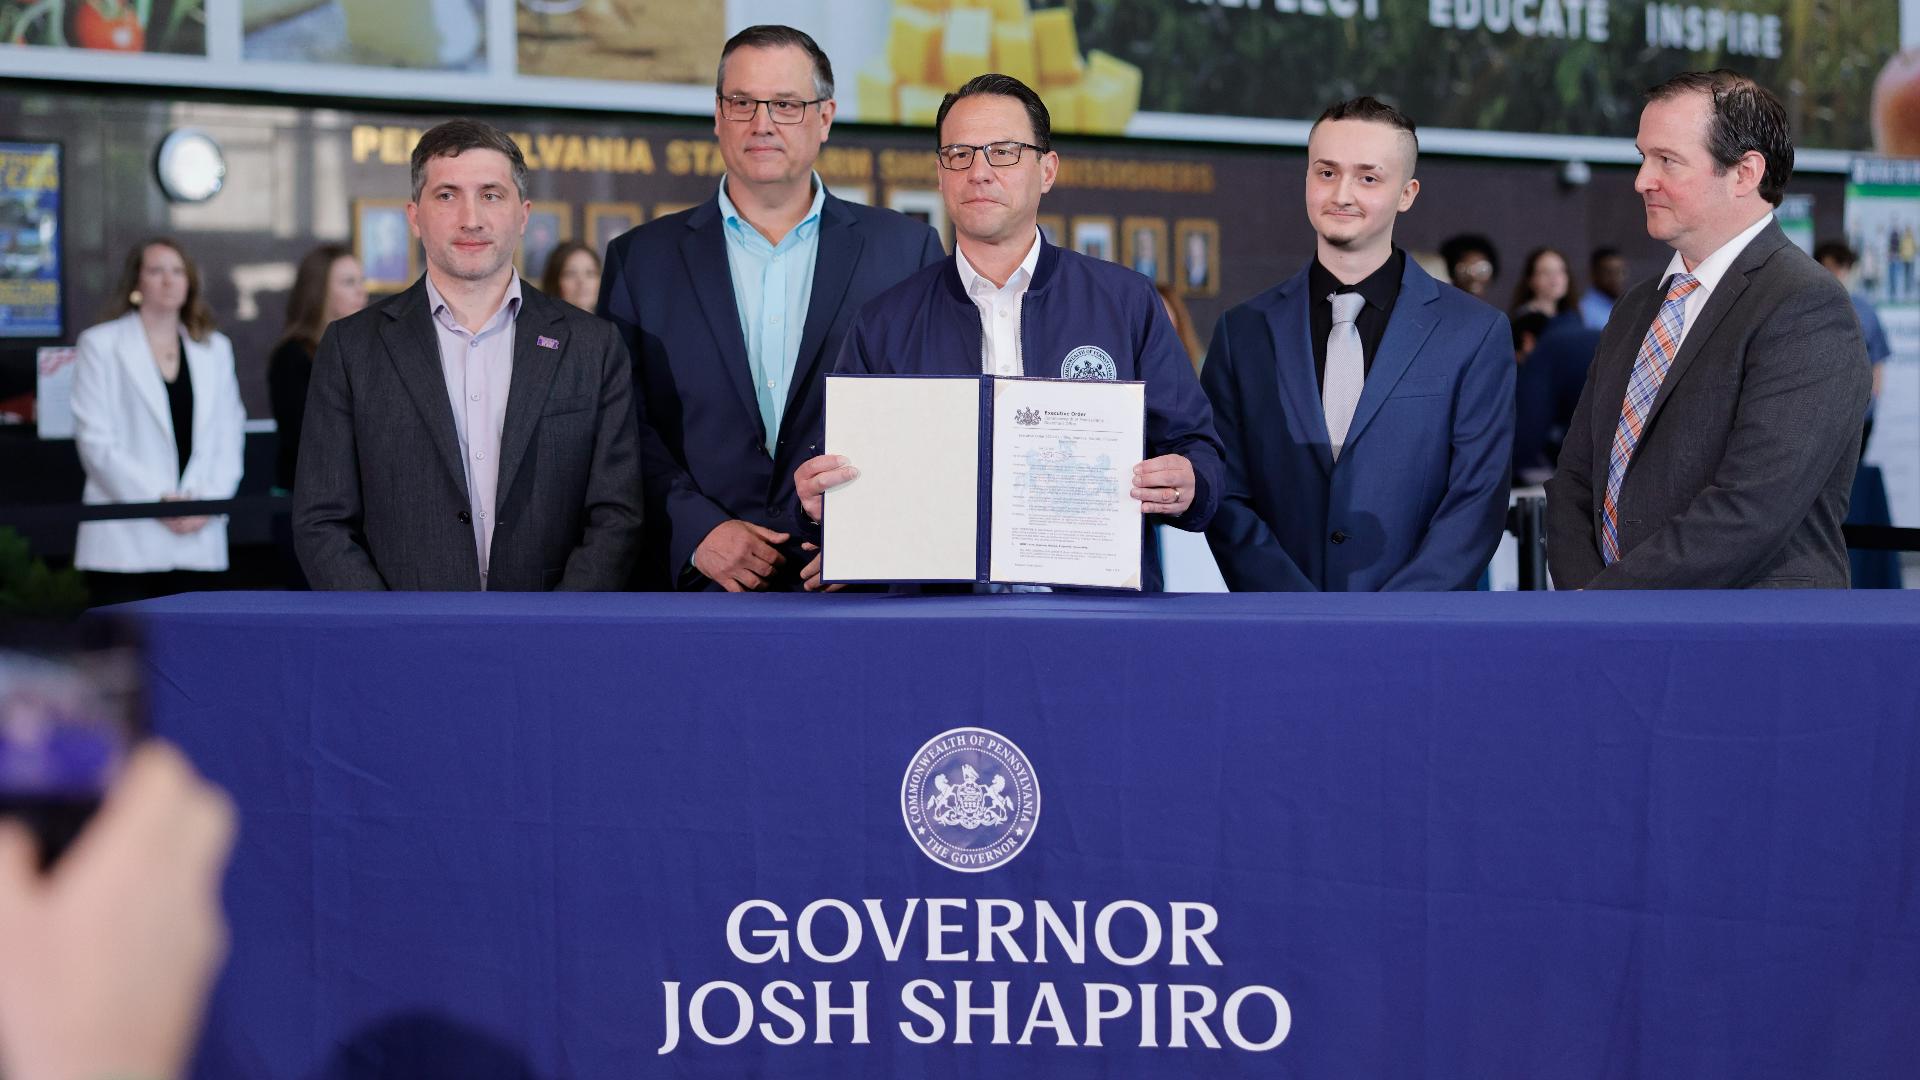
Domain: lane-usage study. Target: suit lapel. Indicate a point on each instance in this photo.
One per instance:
(534, 365)
(833, 263)
(705, 250)
(1293, 367)
(414, 349)
(1725, 295)
(1408, 328)
(145, 371)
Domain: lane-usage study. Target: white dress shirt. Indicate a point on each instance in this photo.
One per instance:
(1000, 310)
(1708, 273)
(479, 373)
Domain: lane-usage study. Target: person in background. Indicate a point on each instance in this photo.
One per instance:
(107, 960)
(1545, 285)
(573, 275)
(1182, 324)
(1608, 271)
(1472, 263)
(157, 418)
(327, 286)
(1840, 261)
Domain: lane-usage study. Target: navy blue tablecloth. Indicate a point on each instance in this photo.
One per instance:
(1492, 835)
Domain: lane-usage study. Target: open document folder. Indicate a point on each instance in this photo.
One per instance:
(974, 478)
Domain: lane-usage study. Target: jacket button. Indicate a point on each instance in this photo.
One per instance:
(776, 512)
(1338, 537)
(466, 518)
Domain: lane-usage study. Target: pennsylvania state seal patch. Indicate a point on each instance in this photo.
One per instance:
(970, 799)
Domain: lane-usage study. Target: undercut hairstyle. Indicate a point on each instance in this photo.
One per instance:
(1000, 86)
(1746, 118)
(775, 36)
(456, 137)
(1374, 111)
(196, 317)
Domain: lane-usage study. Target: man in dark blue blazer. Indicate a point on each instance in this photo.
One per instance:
(733, 311)
(1366, 409)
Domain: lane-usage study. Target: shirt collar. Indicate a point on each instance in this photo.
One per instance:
(1715, 266)
(1020, 276)
(510, 303)
(730, 213)
(1381, 288)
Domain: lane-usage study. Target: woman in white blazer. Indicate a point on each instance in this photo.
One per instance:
(158, 358)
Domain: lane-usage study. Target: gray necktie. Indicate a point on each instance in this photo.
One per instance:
(1346, 368)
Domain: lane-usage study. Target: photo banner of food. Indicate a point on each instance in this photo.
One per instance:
(110, 26)
(640, 41)
(432, 35)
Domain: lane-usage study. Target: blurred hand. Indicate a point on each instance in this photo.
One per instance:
(816, 476)
(105, 964)
(739, 555)
(183, 526)
(810, 577)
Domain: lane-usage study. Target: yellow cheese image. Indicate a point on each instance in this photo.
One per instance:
(1110, 95)
(920, 104)
(1013, 51)
(1006, 10)
(967, 47)
(1064, 107)
(914, 46)
(873, 94)
(1057, 45)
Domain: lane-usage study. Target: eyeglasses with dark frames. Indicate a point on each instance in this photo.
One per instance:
(958, 157)
(741, 108)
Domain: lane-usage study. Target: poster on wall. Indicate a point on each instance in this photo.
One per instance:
(107, 26)
(30, 281)
(1479, 76)
(1883, 227)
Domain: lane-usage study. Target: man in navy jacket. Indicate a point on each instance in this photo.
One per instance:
(1009, 303)
(733, 311)
(1367, 409)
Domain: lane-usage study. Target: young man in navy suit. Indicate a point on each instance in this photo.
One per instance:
(1366, 409)
(733, 311)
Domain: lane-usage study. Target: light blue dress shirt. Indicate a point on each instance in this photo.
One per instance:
(772, 285)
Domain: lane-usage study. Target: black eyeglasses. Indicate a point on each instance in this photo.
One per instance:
(783, 110)
(959, 156)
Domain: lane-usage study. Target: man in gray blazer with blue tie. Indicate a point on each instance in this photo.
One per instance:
(469, 433)
(1716, 438)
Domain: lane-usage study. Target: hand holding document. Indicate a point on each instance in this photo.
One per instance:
(1050, 501)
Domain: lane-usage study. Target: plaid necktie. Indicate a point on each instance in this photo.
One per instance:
(1649, 370)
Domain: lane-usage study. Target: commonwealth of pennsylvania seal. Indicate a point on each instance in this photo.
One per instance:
(1088, 363)
(970, 799)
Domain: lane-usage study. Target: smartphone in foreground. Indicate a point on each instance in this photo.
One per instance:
(70, 711)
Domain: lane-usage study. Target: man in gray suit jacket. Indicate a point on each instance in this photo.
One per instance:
(469, 433)
(1715, 441)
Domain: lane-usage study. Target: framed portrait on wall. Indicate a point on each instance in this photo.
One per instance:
(853, 193)
(1093, 235)
(606, 220)
(1143, 246)
(548, 224)
(922, 204)
(1054, 228)
(384, 244)
(1196, 254)
(661, 210)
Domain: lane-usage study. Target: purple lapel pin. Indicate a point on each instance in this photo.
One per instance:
(546, 342)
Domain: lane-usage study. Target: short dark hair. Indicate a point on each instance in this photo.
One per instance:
(1000, 86)
(775, 36)
(456, 137)
(1373, 111)
(1746, 118)
(1529, 324)
(1455, 248)
(1600, 255)
(1836, 252)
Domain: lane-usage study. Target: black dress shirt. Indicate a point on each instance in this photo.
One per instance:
(1381, 288)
